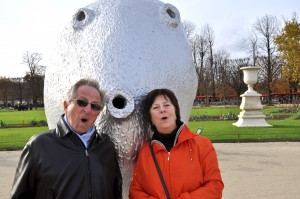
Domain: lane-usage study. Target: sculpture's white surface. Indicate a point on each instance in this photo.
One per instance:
(130, 47)
(251, 115)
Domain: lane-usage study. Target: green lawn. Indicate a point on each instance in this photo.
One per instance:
(218, 131)
(219, 111)
(21, 117)
(16, 138)
(224, 131)
(287, 129)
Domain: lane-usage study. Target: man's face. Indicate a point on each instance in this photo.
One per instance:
(82, 118)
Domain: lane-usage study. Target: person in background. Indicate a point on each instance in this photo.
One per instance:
(187, 161)
(73, 160)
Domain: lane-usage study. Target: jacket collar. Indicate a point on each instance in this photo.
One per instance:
(185, 134)
(62, 129)
(182, 135)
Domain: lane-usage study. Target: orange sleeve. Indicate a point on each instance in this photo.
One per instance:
(213, 184)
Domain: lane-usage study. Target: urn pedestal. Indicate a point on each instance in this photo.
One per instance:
(251, 114)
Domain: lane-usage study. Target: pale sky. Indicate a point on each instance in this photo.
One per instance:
(34, 25)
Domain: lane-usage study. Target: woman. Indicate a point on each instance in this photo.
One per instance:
(188, 162)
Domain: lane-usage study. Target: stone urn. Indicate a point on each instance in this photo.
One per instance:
(251, 114)
(250, 77)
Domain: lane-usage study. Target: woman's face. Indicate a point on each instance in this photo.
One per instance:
(163, 114)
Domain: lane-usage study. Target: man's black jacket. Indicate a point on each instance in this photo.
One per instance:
(55, 164)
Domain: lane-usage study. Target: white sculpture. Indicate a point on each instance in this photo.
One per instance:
(251, 115)
(131, 47)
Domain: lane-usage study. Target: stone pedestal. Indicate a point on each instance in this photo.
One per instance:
(251, 115)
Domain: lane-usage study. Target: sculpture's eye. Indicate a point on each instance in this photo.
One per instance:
(82, 17)
(170, 15)
(119, 102)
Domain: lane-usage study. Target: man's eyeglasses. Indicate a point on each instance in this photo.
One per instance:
(83, 103)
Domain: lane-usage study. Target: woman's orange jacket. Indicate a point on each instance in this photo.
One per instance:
(190, 169)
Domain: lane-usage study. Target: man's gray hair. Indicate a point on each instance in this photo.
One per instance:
(71, 94)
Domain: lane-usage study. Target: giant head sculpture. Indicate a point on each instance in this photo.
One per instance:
(130, 47)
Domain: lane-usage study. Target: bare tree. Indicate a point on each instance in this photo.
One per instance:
(199, 53)
(199, 45)
(267, 28)
(209, 37)
(265, 73)
(252, 42)
(236, 81)
(40, 70)
(221, 75)
(32, 61)
(189, 28)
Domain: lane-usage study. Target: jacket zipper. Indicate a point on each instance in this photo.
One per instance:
(89, 166)
(88, 173)
(86, 154)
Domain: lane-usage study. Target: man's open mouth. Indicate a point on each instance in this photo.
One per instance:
(84, 120)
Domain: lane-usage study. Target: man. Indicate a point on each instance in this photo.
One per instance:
(73, 160)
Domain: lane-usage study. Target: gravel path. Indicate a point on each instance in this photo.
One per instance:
(249, 170)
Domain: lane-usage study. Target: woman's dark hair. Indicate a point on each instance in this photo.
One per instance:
(149, 100)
